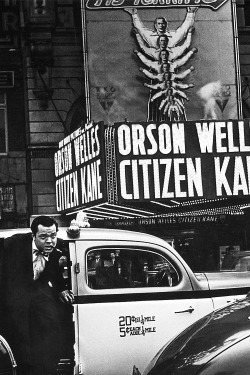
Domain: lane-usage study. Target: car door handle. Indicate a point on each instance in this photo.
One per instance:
(190, 310)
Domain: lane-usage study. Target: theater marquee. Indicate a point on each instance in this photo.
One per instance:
(133, 162)
(182, 160)
(80, 168)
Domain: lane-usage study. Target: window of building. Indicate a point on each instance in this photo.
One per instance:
(243, 13)
(3, 125)
(129, 268)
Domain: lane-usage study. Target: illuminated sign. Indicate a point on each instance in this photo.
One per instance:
(202, 159)
(80, 169)
(95, 4)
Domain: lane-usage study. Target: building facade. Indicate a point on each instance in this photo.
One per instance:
(41, 56)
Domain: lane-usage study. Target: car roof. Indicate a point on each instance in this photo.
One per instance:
(96, 234)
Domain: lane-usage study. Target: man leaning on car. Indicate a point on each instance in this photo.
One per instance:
(33, 290)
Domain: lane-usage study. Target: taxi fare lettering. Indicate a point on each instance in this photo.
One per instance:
(131, 325)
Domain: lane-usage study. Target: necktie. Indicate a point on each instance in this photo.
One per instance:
(39, 263)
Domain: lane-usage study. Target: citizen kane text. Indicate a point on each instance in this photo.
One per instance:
(78, 169)
(181, 160)
(154, 162)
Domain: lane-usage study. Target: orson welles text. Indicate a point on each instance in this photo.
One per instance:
(78, 168)
(183, 159)
(157, 177)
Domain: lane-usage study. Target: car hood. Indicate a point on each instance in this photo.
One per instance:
(204, 340)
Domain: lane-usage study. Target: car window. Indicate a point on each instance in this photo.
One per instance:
(129, 268)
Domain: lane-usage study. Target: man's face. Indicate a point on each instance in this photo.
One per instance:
(165, 68)
(167, 76)
(163, 42)
(160, 25)
(46, 238)
(164, 56)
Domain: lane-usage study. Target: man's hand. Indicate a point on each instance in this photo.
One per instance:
(66, 296)
(131, 10)
(135, 30)
(192, 9)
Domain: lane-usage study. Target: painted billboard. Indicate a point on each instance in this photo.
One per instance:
(160, 60)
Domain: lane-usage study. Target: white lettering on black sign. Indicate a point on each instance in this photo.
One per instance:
(183, 160)
(78, 168)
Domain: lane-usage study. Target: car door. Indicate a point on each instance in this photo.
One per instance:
(131, 299)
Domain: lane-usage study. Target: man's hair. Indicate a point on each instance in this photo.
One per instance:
(46, 221)
(162, 36)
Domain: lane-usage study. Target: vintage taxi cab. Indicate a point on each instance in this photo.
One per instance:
(133, 292)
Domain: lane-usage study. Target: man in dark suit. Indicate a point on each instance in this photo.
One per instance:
(34, 292)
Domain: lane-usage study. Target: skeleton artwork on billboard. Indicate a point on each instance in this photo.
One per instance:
(165, 52)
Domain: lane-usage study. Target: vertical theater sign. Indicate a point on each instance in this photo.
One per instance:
(161, 81)
(80, 169)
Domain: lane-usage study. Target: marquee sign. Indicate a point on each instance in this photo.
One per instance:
(104, 4)
(185, 160)
(204, 219)
(133, 162)
(80, 169)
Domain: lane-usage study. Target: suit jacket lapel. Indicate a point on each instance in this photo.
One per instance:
(28, 255)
